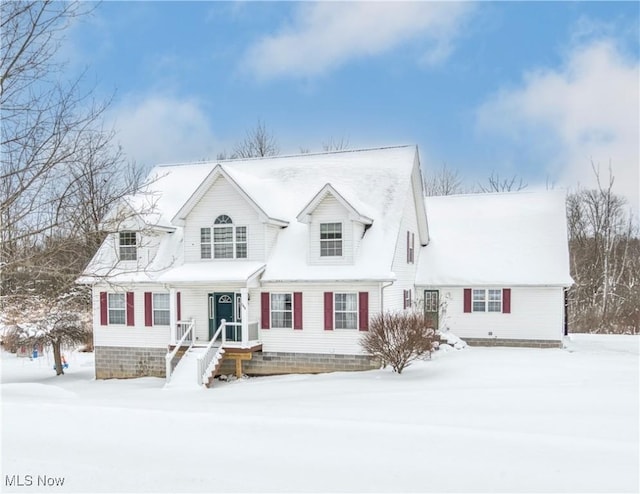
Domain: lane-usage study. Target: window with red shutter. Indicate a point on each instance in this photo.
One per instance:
(265, 313)
(104, 320)
(328, 311)
(148, 309)
(363, 311)
(130, 310)
(467, 299)
(297, 310)
(506, 300)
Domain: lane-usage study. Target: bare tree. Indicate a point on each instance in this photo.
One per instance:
(604, 252)
(60, 170)
(258, 142)
(496, 183)
(399, 338)
(336, 144)
(34, 322)
(443, 182)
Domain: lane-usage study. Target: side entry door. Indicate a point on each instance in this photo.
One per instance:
(432, 307)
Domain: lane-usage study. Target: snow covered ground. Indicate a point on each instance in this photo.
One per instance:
(478, 419)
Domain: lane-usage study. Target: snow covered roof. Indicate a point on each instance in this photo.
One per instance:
(513, 238)
(217, 271)
(375, 184)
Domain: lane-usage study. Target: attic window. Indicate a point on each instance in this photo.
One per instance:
(228, 241)
(330, 239)
(128, 246)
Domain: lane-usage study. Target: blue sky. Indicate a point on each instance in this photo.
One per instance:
(534, 89)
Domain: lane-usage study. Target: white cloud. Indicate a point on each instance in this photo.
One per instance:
(161, 129)
(589, 109)
(325, 35)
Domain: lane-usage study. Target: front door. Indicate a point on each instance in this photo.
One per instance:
(220, 307)
(432, 307)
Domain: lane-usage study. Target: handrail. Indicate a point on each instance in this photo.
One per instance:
(169, 356)
(208, 359)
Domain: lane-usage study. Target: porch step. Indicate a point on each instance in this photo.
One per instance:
(185, 374)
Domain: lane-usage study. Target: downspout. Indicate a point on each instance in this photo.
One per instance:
(382, 287)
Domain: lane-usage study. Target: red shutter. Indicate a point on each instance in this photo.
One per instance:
(264, 310)
(178, 307)
(148, 309)
(363, 311)
(506, 300)
(130, 310)
(408, 246)
(328, 311)
(404, 299)
(297, 310)
(467, 299)
(104, 318)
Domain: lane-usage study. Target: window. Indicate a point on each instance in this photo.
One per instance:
(487, 300)
(330, 239)
(205, 243)
(116, 308)
(407, 299)
(128, 246)
(346, 310)
(241, 242)
(281, 310)
(229, 241)
(411, 251)
(161, 309)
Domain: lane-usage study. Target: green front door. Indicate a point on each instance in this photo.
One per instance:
(432, 307)
(220, 307)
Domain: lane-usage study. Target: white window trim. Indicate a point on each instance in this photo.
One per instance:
(357, 311)
(486, 301)
(134, 246)
(341, 239)
(271, 310)
(123, 309)
(153, 309)
(234, 242)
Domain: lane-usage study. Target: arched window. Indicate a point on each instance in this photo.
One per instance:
(228, 240)
(223, 219)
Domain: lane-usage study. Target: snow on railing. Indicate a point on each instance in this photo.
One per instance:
(212, 354)
(186, 329)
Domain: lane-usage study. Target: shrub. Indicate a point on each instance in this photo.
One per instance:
(399, 338)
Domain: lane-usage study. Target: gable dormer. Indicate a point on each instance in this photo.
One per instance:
(223, 223)
(337, 223)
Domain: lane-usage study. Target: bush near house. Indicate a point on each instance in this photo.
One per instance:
(399, 338)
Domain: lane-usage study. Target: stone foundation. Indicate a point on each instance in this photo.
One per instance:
(126, 362)
(270, 363)
(513, 343)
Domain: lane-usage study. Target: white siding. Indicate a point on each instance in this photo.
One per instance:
(121, 335)
(329, 210)
(222, 198)
(313, 338)
(194, 305)
(536, 314)
(405, 272)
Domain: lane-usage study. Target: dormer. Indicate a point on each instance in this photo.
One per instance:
(337, 222)
(222, 222)
(133, 233)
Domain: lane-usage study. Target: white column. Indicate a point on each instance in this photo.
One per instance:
(244, 314)
(173, 315)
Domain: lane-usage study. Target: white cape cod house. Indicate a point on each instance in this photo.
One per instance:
(278, 264)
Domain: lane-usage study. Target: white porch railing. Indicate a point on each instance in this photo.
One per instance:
(212, 354)
(241, 334)
(185, 330)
